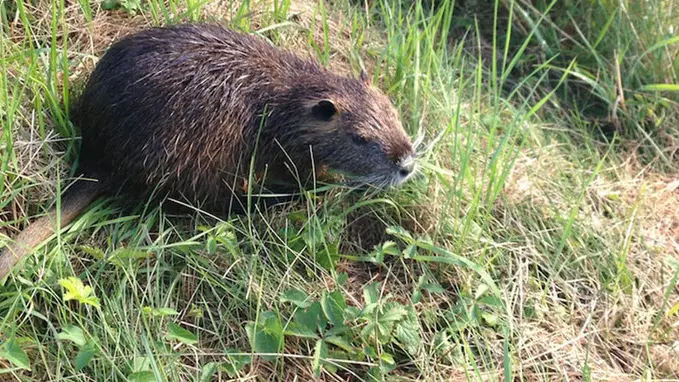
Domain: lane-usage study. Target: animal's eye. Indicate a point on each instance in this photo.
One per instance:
(358, 139)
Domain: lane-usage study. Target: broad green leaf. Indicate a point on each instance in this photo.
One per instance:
(407, 332)
(410, 251)
(386, 321)
(94, 301)
(314, 236)
(393, 312)
(320, 353)
(266, 336)
(375, 375)
(416, 297)
(338, 297)
(389, 248)
(84, 356)
(491, 319)
(336, 330)
(340, 342)
(333, 305)
(387, 362)
(378, 258)
(208, 371)
(76, 290)
(491, 301)
(11, 351)
(327, 255)
(141, 363)
(141, 376)
(370, 351)
(176, 332)
(384, 330)
(368, 330)
(298, 330)
(342, 278)
(211, 245)
(352, 313)
(371, 293)
(235, 362)
(331, 367)
(296, 297)
(388, 358)
(311, 318)
(72, 333)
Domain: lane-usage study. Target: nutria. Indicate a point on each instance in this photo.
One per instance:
(181, 111)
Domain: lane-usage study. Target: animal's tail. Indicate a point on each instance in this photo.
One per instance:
(73, 202)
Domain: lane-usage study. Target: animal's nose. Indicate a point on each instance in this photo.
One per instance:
(406, 167)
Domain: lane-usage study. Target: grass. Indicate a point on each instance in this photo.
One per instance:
(538, 242)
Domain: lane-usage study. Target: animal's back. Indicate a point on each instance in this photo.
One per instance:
(172, 108)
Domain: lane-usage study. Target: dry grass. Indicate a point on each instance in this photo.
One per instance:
(614, 332)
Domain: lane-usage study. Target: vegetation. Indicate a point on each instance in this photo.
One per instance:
(539, 240)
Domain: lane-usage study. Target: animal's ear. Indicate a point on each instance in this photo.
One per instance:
(323, 110)
(365, 78)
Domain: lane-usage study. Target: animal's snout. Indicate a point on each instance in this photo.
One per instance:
(406, 166)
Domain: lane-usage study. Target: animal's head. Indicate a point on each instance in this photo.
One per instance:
(354, 129)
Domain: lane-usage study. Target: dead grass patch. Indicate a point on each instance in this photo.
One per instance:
(620, 333)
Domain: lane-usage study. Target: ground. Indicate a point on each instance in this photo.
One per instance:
(538, 241)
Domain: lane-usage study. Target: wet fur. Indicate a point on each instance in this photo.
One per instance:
(180, 111)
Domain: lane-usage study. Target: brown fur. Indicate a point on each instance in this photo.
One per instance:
(180, 111)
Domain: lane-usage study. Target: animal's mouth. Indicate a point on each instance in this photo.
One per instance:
(406, 168)
(395, 176)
